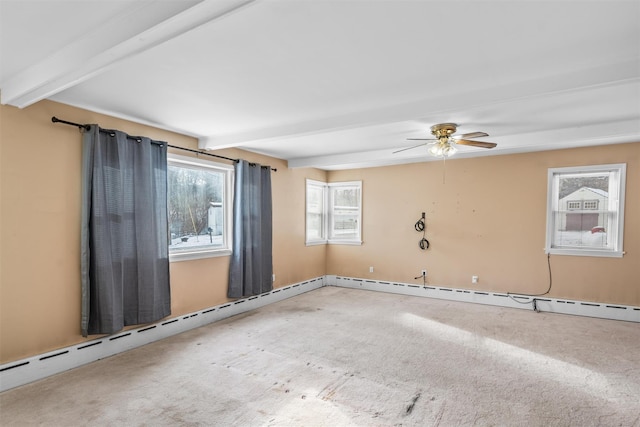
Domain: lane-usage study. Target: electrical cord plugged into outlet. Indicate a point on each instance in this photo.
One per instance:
(424, 277)
(534, 302)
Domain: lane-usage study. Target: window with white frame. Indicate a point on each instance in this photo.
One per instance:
(344, 212)
(199, 208)
(334, 212)
(316, 212)
(585, 210)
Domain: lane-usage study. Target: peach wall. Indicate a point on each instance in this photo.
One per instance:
(204, 282)
(39, 229)
(487, 218)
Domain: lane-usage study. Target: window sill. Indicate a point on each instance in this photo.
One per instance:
(586, 252)
(345, 242)
(189, 256)
(334, 242)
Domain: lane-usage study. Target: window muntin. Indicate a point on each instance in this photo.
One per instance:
(199, 208)
(585, 210)
(333, 212)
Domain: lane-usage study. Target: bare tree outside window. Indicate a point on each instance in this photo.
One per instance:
(197, 208)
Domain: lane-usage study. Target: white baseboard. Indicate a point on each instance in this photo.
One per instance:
(34, 368)
(543, 303)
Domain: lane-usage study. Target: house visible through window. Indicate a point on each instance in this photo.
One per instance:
(585, 210)
(198, 208)
(334, 212)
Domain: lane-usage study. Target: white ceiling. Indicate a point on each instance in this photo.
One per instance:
(336, 83)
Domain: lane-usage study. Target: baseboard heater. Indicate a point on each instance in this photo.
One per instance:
(34, 368)
(542, 303)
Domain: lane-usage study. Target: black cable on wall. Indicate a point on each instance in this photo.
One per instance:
(422, 226)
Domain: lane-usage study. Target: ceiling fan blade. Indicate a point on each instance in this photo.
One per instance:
(421, 139)
(409, 148)
(472, 135)
(476, 143)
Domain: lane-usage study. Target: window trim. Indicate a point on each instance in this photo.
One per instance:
(617, 251)
(226, 250)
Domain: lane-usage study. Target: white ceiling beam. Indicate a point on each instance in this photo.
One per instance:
(614, 132)
(610, 74)
(105, 46)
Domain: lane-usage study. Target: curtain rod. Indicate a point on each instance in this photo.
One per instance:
(54, 119)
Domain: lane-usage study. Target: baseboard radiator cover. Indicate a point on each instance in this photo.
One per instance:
(21, 372)
(542, 303)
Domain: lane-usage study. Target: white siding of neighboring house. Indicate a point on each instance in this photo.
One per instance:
(581, 199)
(215, 219)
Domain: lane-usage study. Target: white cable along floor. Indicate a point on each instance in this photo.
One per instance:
(345, 357)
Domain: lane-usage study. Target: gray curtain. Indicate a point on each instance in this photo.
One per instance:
(251, 265)
(124, 237)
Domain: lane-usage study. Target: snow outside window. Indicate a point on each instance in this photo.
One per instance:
(585, 210)
(199, 208)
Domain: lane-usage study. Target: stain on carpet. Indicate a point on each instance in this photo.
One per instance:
(411, 405)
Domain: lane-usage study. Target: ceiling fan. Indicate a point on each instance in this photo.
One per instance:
(444, 144)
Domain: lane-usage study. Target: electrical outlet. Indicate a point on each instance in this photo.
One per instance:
(474, 279)
(273, 277)
(370, 269)
(424, 272)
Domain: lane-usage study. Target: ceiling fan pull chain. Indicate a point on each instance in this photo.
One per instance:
(444, 169)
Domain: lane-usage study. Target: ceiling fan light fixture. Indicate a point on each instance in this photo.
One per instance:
(444, 144)
(450, 150)
(435, 150)
(442, 150)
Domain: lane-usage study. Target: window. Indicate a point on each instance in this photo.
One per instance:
(316, 212)
(585, 210)
(344, 212)
(334, 212)
(199, 208)
(591, 204)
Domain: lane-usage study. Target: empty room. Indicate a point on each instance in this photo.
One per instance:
(320, 213)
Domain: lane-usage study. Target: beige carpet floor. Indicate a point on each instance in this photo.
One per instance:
(344, 357)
